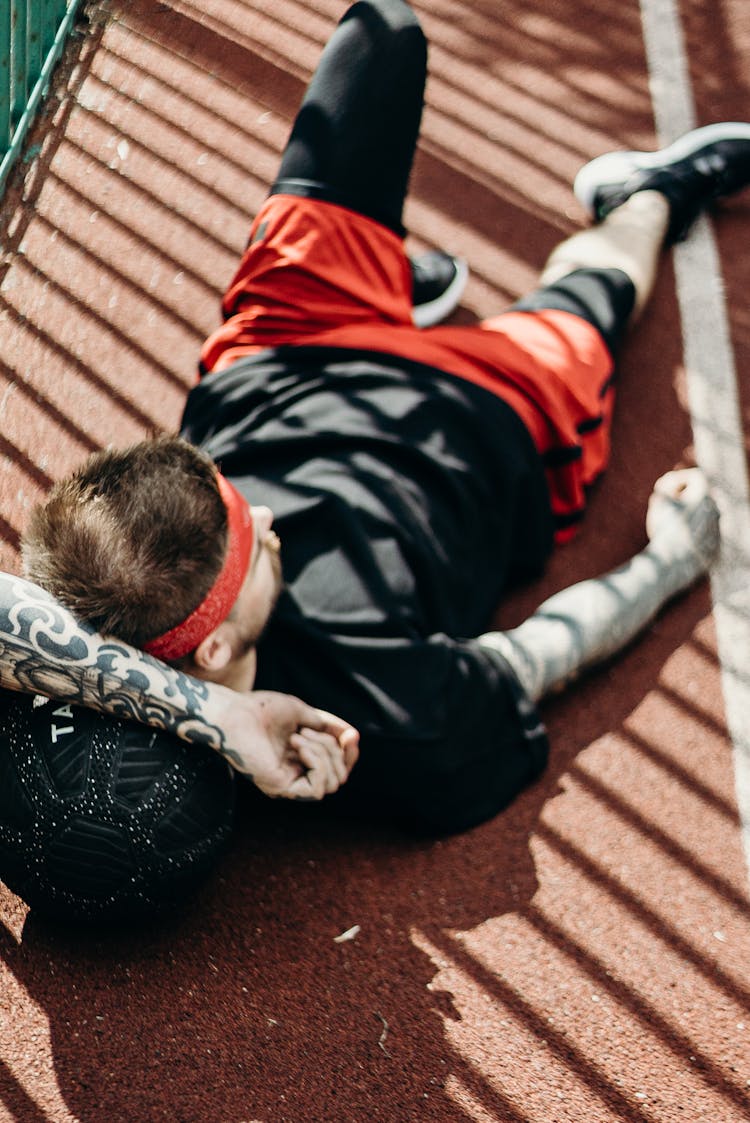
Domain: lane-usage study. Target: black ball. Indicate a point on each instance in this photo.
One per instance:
(102, 819)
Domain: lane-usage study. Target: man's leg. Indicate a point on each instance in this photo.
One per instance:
(641, 201)
(355, 134)
(327, 248)
(630, 240)
(605, 274)
(644, 199)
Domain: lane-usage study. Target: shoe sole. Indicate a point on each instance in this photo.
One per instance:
(617, 167)
(437, 310)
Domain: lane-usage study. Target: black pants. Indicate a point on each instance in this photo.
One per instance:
(355, 134)
(354, 137)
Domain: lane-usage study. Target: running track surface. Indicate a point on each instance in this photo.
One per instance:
(586, 956)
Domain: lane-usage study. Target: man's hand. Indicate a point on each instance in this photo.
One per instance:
(682, 521)
(287, 748)
(593, 620)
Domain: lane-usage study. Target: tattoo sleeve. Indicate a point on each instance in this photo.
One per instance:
(593, 620)
(44, 650)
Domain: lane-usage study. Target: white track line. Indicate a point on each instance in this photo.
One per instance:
(712, 396)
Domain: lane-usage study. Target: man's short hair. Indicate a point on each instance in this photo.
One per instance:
(133, 541)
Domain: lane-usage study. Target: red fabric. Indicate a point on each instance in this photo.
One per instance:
(318, 274)
(218, 602)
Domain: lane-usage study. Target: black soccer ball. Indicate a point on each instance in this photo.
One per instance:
(102, 819)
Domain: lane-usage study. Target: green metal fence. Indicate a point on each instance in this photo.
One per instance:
(32, 36)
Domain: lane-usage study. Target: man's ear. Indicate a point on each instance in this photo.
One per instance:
(215, 652)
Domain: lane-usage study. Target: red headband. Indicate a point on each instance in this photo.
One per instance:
(217, 603)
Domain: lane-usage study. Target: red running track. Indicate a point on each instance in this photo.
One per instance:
(584, 958)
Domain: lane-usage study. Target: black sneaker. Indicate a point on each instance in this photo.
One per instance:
(703, 165)
(438, 280)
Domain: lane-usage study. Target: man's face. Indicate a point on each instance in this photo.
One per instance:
(262, 585)
(252, 610)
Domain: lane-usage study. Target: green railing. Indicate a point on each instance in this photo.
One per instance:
(32, 36)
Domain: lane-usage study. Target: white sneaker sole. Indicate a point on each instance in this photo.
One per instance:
(617, 167)
(435, 311)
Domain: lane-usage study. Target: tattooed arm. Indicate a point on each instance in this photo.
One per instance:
(284, 746)
(591, 621)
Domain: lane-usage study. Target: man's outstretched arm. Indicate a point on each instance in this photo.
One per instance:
(284, 746)
(593, 620)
